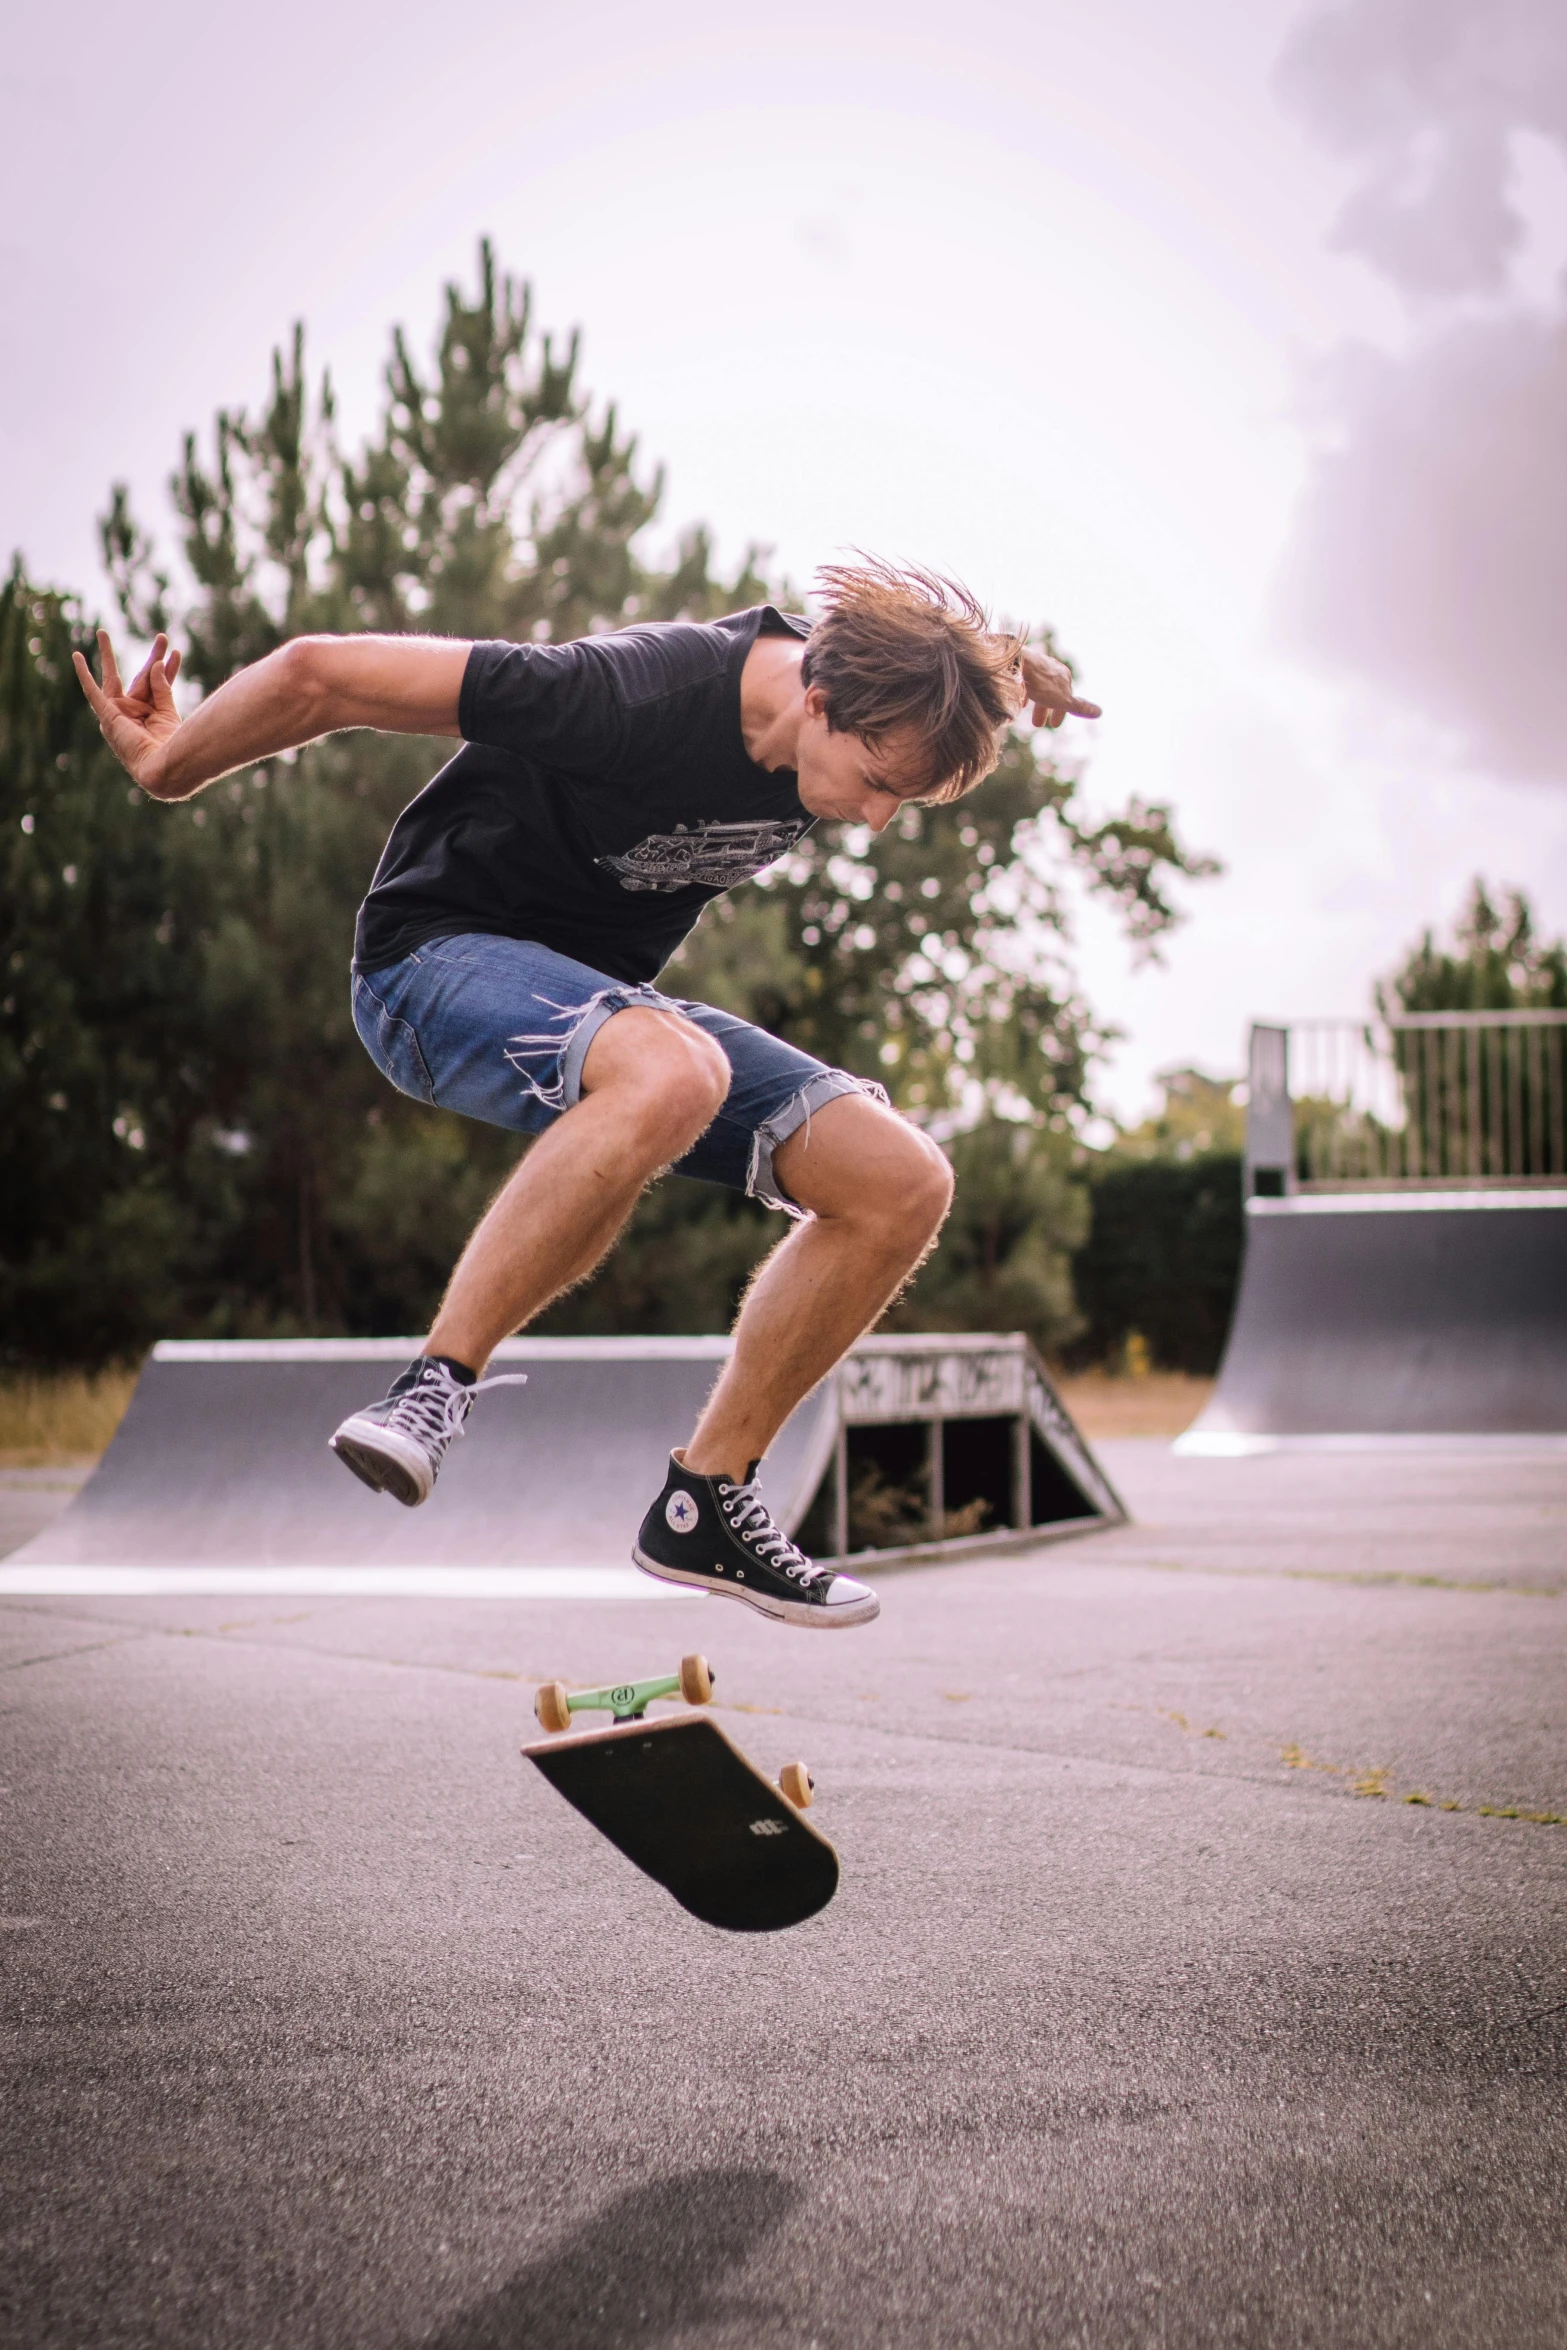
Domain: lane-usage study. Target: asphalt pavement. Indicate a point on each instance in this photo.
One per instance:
(1198, 1974)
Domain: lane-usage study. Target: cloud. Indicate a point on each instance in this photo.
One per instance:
(1426, 98)
(1430, 552)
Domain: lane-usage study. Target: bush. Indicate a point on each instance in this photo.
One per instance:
(1161, 1260)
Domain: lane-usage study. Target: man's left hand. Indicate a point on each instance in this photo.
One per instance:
(1047, 685)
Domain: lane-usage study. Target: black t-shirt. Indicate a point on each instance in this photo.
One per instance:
(602, 795)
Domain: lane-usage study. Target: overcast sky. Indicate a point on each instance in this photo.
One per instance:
(1229, 339)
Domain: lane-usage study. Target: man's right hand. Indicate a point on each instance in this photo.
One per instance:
(137, 721)
(313, 685)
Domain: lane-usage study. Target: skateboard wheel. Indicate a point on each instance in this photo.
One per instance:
(696, 1680)
(551, 1707)
(795, 1781)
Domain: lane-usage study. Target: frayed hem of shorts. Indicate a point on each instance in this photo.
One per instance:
(828, 1085)
(570, 1045)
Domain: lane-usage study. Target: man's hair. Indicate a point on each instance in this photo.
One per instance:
(900, 647)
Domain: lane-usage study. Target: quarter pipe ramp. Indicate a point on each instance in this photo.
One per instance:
(1395, 1315)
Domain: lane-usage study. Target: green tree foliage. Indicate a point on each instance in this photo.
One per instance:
(190, 983)
(1495, 963)
(1486, 1103)
(1155, 1278)
(90, 1240)
(181, 1092)
(1200, 1115)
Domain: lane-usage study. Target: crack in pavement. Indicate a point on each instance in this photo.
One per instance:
(1358, 1782)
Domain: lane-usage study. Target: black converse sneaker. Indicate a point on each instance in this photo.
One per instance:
(717, 1536)
(397, 1446)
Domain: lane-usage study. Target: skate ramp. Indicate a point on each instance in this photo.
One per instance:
(222, 1463)
(222, 1458)
(1397, 1317)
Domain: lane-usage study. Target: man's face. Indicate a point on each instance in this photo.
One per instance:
(853, 781)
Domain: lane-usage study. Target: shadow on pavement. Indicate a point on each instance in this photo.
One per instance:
(649, 2264)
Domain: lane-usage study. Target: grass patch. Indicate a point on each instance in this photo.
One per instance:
(1152, 1403)
(1294, 1758)
(54, 1419)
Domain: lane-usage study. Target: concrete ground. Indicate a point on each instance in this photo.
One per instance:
(1198, 1976)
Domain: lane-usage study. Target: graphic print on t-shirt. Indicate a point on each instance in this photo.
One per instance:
(715, 855)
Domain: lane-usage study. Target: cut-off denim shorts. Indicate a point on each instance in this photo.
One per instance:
(499, 1028)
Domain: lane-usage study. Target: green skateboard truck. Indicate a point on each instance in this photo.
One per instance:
(682, 1802)
(628, 1701)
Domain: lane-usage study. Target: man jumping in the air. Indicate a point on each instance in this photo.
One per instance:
(504, 960)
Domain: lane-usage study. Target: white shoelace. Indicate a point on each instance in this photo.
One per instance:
(753, 1522)
(435, 1410)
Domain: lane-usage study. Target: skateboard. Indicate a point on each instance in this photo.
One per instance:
(679, 1799)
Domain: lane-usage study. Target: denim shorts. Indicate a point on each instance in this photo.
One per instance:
(498, 1029)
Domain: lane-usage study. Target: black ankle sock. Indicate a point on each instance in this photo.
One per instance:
(459, 1371)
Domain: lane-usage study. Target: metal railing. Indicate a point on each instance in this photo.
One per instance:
(1430, 1099)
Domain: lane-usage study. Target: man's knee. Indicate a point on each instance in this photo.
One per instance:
(690, 1071)
(864, 1163)
(927, 1185)
(906, 1194)
(670, 1074)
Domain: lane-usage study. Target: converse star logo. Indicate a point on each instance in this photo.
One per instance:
(681, 1512)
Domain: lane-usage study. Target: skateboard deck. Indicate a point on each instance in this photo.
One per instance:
(679, 1799)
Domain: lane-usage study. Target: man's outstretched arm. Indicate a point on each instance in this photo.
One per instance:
(316, 685)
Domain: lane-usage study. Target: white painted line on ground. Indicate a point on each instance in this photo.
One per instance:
(383, 1582)
(1223, 1444)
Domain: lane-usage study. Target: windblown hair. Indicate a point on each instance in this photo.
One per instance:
(900, 647)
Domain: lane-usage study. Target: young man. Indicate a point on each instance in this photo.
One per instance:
(504, 960)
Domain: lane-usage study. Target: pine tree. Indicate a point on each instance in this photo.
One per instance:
(92, 1029)
(1496, 963)
(295, 1191)
(1500, 1094)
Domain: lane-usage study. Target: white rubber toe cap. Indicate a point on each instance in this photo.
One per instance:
(848, 1601)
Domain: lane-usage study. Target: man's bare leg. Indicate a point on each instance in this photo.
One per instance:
(877, 1191)
(651, 1084)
